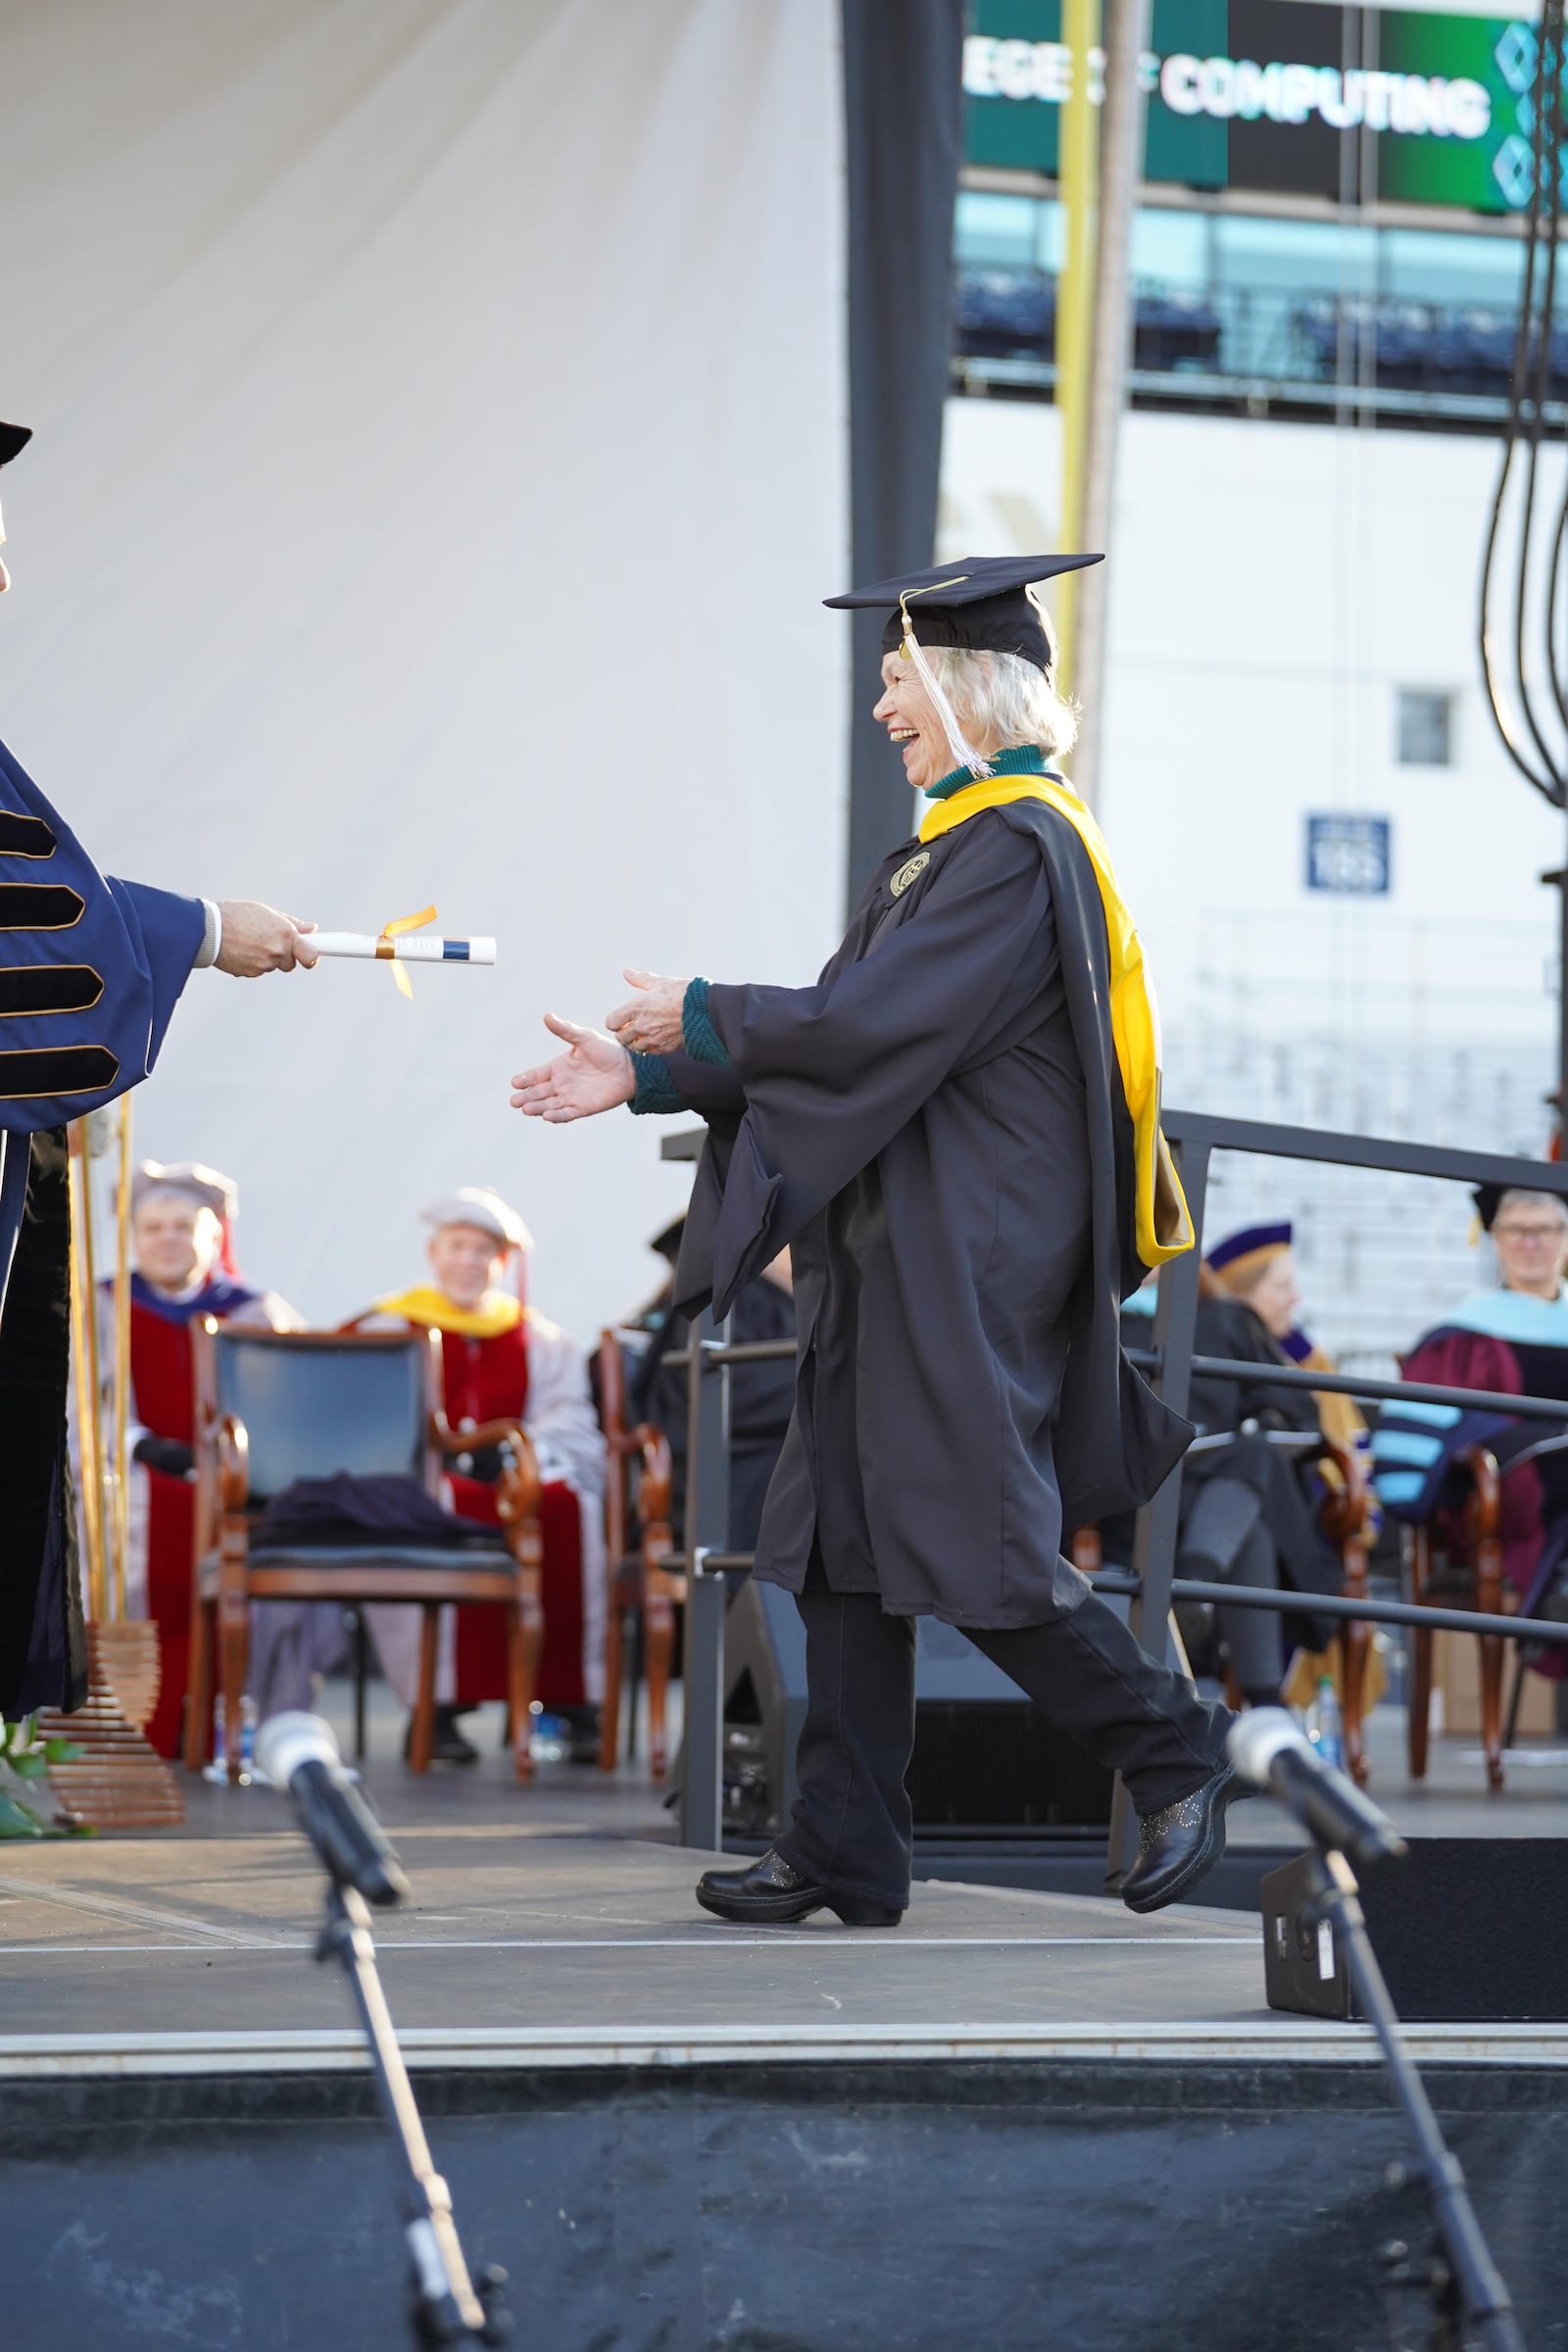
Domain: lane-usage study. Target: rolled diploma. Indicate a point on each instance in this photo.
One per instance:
(412, 947)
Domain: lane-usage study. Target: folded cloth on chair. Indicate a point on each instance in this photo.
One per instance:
(345, 1510)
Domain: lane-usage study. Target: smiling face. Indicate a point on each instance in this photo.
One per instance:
(467, 1262)
(905, 709)
(176, 1241)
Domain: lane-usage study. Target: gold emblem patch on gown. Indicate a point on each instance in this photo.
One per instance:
(908, 873)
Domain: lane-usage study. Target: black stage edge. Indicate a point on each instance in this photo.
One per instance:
(801, 2208)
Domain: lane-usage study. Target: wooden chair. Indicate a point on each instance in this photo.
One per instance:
(275, 1406)
(1344, 1517)
(1454, 1561)
(643, 1588)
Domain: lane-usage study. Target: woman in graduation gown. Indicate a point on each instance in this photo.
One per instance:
(93, 969)
(956, 1132)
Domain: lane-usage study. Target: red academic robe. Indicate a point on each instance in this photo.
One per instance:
(163, 1400)
(487, 1380)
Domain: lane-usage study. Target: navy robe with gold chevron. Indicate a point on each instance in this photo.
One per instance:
(90, 972)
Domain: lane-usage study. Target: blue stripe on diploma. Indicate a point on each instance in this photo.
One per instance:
(453, 950)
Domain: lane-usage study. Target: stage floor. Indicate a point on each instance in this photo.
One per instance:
(528, 1947)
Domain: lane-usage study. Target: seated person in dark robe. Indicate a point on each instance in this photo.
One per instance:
(956, 1132)
(1247, 1514)
(1512, 1338)
(181, 1237)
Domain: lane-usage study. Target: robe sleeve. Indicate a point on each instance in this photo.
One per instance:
(90, 968)
(831, 1073)
(674, 1082)
(560, 1415)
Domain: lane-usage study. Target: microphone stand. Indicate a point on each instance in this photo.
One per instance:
(1467, 2287)
(445, 2306)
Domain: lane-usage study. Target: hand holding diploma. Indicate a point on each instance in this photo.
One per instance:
(258, 939)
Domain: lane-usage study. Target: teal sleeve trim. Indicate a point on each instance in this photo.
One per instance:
(655, 1089)
(701, 1039)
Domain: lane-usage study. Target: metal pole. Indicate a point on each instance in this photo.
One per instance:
(1121, 150)
(1075, 299)
(702, 1789)
(1155, 1546)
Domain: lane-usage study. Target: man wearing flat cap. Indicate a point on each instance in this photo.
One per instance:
(92, 970)
(956, 1132)
(182, 1265)
(501, 1361)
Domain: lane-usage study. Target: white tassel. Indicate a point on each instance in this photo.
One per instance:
(963, 753)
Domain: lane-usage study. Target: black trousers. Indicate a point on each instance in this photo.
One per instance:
(1226, 1540)
(852, 1828)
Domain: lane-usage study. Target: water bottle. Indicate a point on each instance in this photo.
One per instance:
(247, 1740)
(1323, 1727)
(218, 1769)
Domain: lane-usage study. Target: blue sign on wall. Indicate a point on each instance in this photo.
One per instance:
(1350, 856)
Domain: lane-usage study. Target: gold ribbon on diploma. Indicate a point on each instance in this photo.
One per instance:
(386, 952)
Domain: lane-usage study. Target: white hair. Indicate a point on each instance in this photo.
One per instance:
(1007, 698)
(1517, 1192)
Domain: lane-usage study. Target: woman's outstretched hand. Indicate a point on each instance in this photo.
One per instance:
(595, 1074)
(650, 1023)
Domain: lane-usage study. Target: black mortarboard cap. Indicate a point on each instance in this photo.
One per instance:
(980, 603)
(1488, 1199)
(14, 439)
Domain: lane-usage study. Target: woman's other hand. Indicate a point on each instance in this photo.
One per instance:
(650, 1023)
(595, 1074)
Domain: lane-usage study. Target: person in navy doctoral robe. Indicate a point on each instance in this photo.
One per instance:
(90, 971)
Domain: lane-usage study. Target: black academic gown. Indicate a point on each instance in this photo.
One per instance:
(939, 1132)
(90, 971)
(1228, 1327)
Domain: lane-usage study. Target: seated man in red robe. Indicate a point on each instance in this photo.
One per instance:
(180, 1229)
(504, 1361)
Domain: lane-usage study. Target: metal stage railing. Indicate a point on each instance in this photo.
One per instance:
(1152, 1584)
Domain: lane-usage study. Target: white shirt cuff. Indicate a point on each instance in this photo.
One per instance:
(210, 948)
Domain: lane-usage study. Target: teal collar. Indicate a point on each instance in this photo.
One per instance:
(1024, 759)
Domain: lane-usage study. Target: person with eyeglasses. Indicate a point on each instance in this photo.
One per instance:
(1511, 1338)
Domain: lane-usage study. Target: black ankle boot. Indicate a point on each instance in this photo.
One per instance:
(773, 1892)
(448, 1745)
(1179, 1844)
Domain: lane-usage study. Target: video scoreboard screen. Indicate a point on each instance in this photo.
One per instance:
(1287, 97)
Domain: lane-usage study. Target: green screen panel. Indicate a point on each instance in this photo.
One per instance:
(1257, 94)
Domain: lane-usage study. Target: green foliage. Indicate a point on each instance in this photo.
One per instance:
(25, 1759)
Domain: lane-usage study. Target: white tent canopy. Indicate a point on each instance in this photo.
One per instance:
(439, 462)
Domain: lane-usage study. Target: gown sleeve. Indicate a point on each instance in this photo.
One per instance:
(832, 1072)
(90, 968)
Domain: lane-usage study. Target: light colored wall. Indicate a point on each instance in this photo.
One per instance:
(1270, 587)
